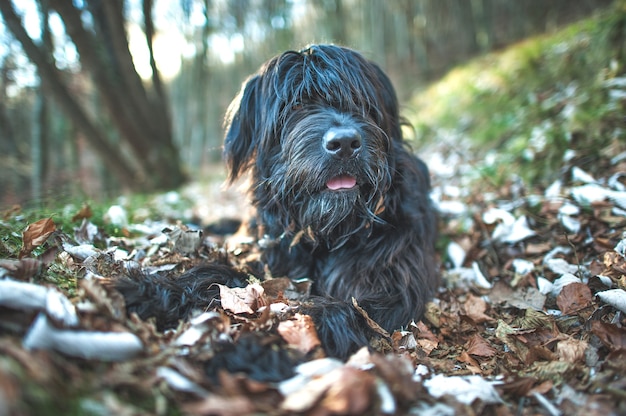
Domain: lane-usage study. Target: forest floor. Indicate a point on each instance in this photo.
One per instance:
(529, 319)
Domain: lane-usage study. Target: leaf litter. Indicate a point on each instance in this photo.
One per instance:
(529, 319)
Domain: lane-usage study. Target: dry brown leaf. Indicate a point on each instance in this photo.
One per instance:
(36, 234)
(508, 335)
(279, 289)
(221, 406)
(403, 340)
(299, 332)
(538, 248)
(84, 213)
(542, 388)
(425, 338)
(11, 212)
(475, 308)
(519, 387)
(22, 269)
(479, 347)
(573, 298)
(571, 350)
(351, 394)
(612, 337)
(373, 324)
(311, 393)
(614, 263)
(471, 364)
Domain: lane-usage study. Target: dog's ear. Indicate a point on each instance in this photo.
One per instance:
(241, 129)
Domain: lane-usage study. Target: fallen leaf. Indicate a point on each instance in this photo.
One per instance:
(519, 387)
(278, 288)
(183, 240)
(424, 337)
(36, 234)
(299, 332)
(351, 394)
(22, 269)
(573, 298)
(398, 372)
(464, 389)
(241, 299)
(472, 364)
(614, 297)
(478, 346)
(217, 405)
(84, 213)
(542, 388)
(571, 350)
(475, 308)
(403, 340)
(612, 337)
(86, 233)
(373, 324)
(307, 396)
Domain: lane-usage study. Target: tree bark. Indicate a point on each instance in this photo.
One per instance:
(117, 102)
(149, 30)
(52, 81)
(142, 122)
(40, 135)
(465, 18)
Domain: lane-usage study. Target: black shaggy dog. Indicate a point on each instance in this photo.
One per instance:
(339, 198)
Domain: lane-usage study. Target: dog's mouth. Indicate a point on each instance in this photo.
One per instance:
(341, 182)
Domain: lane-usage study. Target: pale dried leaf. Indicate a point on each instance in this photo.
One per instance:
(465, 389)
(241, 299)
(571, 350)
(373, 324)
(299, 332)
(104, 346)
(614, 297)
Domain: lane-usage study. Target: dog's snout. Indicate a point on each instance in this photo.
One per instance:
(342, 142)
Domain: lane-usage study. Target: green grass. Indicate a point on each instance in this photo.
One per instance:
(534, 101)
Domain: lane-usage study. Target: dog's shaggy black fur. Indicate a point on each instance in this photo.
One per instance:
(339, 198)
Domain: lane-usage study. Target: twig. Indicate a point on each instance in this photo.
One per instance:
(546, 404)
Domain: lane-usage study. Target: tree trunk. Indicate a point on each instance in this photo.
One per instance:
(465, 19)
(52, 81)
(142, 122)
(487, 25)
(40, 133)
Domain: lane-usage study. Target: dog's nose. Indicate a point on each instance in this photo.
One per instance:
(342, 142)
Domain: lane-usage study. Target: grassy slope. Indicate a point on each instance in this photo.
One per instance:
(526, 106)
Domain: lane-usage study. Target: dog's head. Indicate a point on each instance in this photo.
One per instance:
(318, 130)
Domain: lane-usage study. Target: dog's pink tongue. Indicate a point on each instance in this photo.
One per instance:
(341, 182)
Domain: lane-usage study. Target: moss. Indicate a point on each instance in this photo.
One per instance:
(535, 100)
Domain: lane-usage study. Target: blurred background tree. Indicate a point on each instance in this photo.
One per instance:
(101, 96)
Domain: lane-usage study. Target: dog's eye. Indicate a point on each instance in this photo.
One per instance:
(296, 107)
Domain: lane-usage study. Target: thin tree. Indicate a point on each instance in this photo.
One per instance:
(140, 117)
